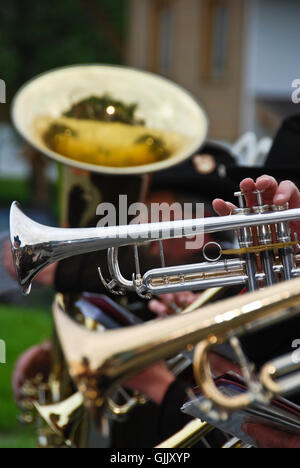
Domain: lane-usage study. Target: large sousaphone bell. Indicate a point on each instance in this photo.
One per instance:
(162, 105)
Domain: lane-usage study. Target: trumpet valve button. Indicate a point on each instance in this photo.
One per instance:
(241, 199)
(259, 194)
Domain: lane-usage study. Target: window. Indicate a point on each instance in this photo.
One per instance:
(162, 37)
(215, 39)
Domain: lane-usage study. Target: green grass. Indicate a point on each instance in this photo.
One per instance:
(19, 438)
(20, 328)
(21, 190)
(15, 189)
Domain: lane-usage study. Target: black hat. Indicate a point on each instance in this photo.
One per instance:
(185, 177)
(283, 161)
(285, 151)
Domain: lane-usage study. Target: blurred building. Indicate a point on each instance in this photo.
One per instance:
(238, 57)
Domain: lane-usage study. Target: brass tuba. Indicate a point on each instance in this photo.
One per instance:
(166, 108)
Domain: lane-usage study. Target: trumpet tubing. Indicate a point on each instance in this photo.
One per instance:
(63, 417)
(192, 434)
(279, 367)
(188, 437)
(105, 360)
(35, 246)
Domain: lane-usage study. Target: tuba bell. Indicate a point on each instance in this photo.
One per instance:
(43, 101)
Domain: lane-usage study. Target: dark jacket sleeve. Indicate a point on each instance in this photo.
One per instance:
(80, 273)
(171, 418)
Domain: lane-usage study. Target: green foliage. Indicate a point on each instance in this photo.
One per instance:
(15, 189)
(23, 437)
(95, 108)
(20, 328)
(39, 36)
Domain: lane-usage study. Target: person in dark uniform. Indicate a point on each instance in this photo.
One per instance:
(278, 341)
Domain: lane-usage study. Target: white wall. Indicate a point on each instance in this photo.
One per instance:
(272, 54)
(275, 40)
(12, 164)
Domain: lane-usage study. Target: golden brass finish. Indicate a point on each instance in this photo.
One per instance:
(236, 444)
(267, 375)
(204, 299)
(61, 417)
(123, 410)
(188, 437)
(204, 379)
(259, 248)
(103, 361)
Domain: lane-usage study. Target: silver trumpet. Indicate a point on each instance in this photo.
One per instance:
(104, 361)
(262, 259)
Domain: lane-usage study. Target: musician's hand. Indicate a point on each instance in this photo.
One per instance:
(169, 304)
(221, 366)
(35, 361)
(45, 277)
(279, 194)
(264, 437)
(152, 382)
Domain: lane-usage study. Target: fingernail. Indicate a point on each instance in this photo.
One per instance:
(280, 198)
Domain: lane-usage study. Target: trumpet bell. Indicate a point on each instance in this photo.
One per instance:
(164, 107)
(24, 238)
(35, 247)
(62, 417)
(106, 360)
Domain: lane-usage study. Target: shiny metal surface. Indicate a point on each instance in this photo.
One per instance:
(103, 361)
(63, 417)
(165, 106)
(236, 444)
(281, 376)
(188, 437)
(35, 246)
